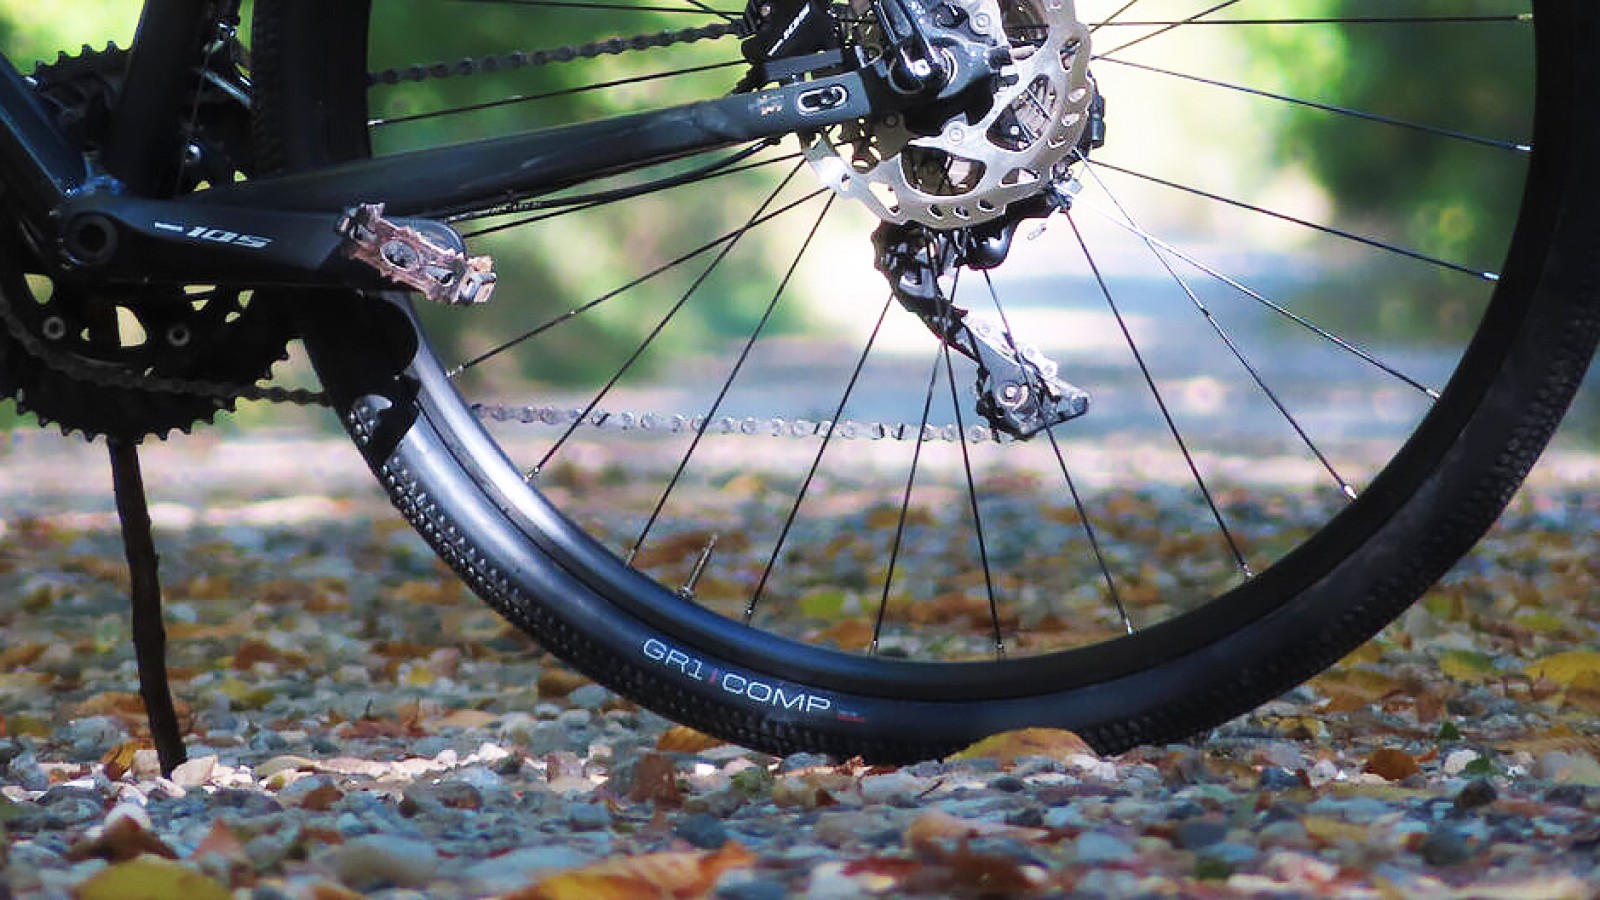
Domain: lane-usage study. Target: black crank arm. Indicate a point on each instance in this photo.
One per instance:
(114, 239)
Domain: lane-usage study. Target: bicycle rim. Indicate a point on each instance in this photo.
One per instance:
(796, 530)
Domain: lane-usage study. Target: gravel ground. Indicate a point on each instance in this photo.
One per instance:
(358, 725)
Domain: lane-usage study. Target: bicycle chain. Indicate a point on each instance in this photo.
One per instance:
(748, 426)
(520, 59)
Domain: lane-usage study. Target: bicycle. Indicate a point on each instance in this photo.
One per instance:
(184, 210)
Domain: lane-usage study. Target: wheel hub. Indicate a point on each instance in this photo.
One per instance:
(972, 170)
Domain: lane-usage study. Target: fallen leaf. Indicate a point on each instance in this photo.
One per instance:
(934, 829)
(123, 838)
(556, 682)
(1009, 746)
(1391, 764)
(219, 841)
(1567, 668)
(1326, 831)
(650, 876)
(151, 878)
(119, 759)
(1467, 665)
(655, 779)
(683, 739)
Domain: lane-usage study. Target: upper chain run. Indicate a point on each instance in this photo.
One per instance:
(521, 59)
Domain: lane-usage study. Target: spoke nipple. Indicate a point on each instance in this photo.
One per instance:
(1248, 572)
(1349, 491)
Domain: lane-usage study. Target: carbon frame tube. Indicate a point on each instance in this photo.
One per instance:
(441, 180)
(145, 151)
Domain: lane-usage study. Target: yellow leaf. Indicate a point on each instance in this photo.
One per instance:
(1467, 665)
(1567, 668)
(1327, 831)
(683, 739)
(936, 827)
(1009, 746)
(650, 876)
(151, 878)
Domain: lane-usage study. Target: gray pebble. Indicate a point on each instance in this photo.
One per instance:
(703, 831)
(589, 696)
(1194, 834)
(585, 816)
(1094, 847)
(1446, 845)
(383, 860)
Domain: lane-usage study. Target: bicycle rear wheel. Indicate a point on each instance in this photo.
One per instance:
(693, 510)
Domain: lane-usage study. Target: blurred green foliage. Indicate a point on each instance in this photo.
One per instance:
(1448, 198)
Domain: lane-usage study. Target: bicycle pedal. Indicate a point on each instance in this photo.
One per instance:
(436, 266)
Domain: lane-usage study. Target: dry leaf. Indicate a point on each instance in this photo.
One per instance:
(1567, 668)
(219, 841)
(123, 838)
(1326, 831)
(556, 682)
(655, 778)
(151, 878)
(651, 876)
(936, 828)
(119, 759)
(683, 739)
(1009, 746)
(1391, 764)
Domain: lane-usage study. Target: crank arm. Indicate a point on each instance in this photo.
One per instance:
(112, 238)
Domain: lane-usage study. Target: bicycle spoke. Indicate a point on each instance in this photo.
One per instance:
(569, 315)
(568, 205)
(816, 462)
(1061, 463)
(1111, 19)
(661, 325)
(694, 7)
(1514, 18)
(1166, 413)
(1396, 249)
(905, 506)
(1435, 131)
(516, 99)
(733, 375)
(1238, 354)
(1509, 18)
(1165, 29)
(1272, 305)
(972, 496)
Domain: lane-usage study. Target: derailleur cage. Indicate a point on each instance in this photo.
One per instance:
(1017, 388)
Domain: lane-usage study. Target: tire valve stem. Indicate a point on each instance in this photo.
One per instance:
(687, 591)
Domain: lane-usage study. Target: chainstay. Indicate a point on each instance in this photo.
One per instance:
(522, 59)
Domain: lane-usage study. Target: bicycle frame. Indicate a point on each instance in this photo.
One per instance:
(113, 226)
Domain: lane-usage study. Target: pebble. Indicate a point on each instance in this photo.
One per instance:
(701, 830)
(381, 860)
(1095, 848)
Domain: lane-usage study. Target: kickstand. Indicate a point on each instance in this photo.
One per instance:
(149, 635)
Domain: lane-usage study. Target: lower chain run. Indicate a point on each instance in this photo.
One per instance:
(747, 426)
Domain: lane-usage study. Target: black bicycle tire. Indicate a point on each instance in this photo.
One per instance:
(1435, 500)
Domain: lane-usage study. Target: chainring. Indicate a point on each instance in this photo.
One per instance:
(104, 361)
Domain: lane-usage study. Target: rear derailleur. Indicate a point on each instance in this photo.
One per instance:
(1017, 388)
